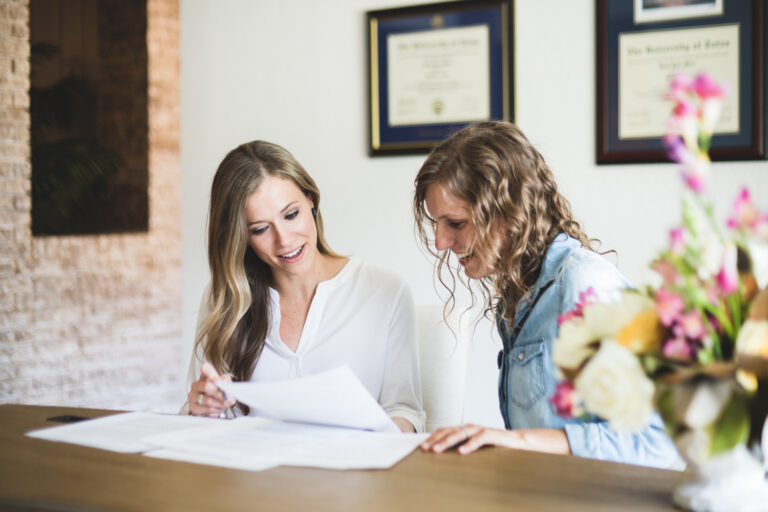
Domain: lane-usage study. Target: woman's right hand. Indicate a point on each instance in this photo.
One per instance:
(204, 398)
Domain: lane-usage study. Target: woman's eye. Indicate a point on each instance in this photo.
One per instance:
(456, 225)
(292, 215)
(258, 231)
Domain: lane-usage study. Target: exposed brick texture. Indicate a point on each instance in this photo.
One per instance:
(95, 320)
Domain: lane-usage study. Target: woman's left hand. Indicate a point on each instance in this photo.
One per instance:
(469, 438)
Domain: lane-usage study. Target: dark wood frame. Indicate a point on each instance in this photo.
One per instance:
(612, 151)
(421, 138)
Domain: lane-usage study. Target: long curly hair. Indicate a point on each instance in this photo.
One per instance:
(233, 332)
(509, 188)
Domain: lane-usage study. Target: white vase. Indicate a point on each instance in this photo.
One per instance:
(734, 481)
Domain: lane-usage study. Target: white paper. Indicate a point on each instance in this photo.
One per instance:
(253, 443)
(439, 76)
(120, 432)
(334, 397)
(196, 458)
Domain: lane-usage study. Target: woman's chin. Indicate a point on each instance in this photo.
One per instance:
(474, 271)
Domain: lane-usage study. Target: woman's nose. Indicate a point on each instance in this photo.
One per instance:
(280, 236)
(442, 241)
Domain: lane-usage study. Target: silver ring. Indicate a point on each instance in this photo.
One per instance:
(200, 399)
(466, 432)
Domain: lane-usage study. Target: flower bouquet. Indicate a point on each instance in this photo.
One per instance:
(694, 348)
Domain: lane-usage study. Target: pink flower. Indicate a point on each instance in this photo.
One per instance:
(706, 87)
(680, 87)
(711, 94)
(690, 326)
(695, 173)
(677, 348)
(728, 277)
(745, 215)
(666, 270)
(694, 181)
(677, 240)
(564, 399)
(669, 306)
(685, 108)
(585, 298)
(714, 298)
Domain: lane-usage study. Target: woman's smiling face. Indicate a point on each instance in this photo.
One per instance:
(455, 230)
(281, 228)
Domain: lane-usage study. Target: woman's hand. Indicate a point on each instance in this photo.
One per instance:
(204, 397)
(469, 438)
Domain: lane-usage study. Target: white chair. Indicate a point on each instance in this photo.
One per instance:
(458, 369)
(443, 365)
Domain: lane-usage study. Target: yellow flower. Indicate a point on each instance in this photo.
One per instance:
(752, 341)
(643, 334)
(746, 380)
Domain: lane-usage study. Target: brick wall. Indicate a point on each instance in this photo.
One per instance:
(91, 320)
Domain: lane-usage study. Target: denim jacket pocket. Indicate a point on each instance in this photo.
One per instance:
(525, 378)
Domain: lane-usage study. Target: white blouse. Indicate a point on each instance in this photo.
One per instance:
(363, 318)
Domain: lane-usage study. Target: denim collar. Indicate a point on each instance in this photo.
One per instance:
(558, 251)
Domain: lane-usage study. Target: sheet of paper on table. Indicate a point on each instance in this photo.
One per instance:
(251, 443)
(120, 432)
(334, 397)
(327, 420)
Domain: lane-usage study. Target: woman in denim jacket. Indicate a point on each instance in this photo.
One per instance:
(492, 202)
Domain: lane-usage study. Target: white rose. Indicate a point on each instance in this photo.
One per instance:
(572, 345)
(614, 386)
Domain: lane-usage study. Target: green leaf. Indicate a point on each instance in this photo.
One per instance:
(705, 356)
(732, 428)
(665, 404)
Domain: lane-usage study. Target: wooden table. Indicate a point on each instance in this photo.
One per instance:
(37, 475)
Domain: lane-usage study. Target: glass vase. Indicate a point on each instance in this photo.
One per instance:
(734, 481)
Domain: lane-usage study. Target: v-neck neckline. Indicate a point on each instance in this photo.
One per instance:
(314, 313)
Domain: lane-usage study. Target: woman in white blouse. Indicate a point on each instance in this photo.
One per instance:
(281, 304)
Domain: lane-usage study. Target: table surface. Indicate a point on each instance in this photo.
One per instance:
(37, 475)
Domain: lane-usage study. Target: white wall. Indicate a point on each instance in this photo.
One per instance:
(294, 72)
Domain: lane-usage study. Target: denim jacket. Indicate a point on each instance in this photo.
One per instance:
(527, 374)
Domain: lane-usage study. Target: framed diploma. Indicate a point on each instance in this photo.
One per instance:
(436, 68)
(643, 44)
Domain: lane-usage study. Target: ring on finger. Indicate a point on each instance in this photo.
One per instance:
(200, 399)
(466, 432)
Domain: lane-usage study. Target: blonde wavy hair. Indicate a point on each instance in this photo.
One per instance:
(506, 183)
(233, 332)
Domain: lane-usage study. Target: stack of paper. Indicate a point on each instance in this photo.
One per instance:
(326, 420)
